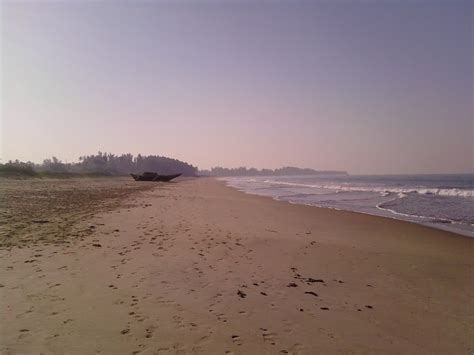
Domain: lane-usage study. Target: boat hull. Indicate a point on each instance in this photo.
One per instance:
(154, 177)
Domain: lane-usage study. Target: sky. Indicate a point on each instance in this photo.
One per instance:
(369, 87)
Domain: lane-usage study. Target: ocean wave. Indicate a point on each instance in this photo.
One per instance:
(384, 191)
(432, 219)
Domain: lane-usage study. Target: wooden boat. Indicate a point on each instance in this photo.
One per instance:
(149, 176)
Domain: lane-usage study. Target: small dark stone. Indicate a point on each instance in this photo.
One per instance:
(370, 307)
(263, 293)
(292, 284)
(97, 245)
(241, 294)
(325, 308)
(311, 293)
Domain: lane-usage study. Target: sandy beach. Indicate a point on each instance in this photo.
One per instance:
(111, 266)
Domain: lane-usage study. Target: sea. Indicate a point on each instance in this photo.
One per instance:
(440, 201)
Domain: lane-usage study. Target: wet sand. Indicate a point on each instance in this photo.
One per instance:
(197, 267)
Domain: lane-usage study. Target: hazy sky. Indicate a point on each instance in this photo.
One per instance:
(363, 86)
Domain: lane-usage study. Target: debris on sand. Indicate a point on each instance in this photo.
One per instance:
(241, 294)
(311, 280)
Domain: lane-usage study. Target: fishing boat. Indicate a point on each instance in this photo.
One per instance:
(150, 176)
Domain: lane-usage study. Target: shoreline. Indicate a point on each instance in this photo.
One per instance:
(199, 267)
(390, 213)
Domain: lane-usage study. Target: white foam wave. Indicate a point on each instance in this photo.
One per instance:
(382, 190)
(445, 220)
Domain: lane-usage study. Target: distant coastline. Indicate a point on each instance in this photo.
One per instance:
(284, 171)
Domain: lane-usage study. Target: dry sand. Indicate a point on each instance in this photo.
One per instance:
(197, 267)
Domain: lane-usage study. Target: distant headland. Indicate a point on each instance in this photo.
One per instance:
(285, 171)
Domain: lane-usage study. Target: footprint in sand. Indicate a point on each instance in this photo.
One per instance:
(236, 340)
(149, 332)
(269, 337)
(23, 333)
(178, 321)
(221, 317)
(295, 349)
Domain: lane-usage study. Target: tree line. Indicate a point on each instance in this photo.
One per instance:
(105, 164)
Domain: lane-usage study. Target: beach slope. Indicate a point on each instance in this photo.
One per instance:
(197, 267)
